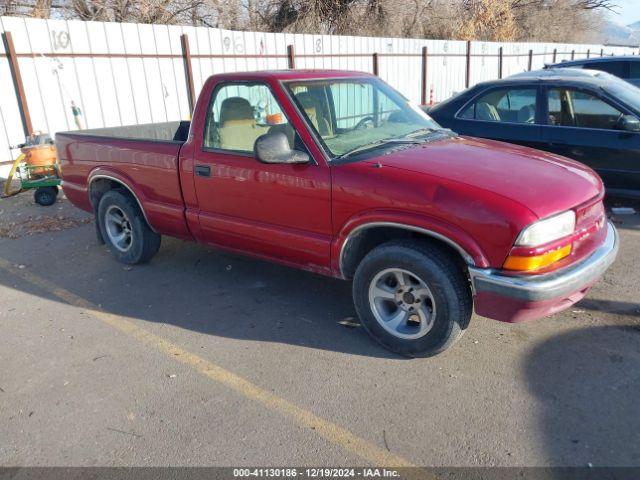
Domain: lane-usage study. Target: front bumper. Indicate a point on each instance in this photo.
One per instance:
(524, 297)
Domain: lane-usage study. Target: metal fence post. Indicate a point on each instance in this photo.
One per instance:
(291, 56)
(602, 52)
(530, 59)
(573, 54)
(500, 62)
(588, 53)
(467, 80)
(188, 72)
(425, 56)
(374, 60)
(23, 107)
(555, 55)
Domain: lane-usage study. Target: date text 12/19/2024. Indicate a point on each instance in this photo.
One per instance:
(316, 472)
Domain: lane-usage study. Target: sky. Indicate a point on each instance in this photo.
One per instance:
(629, 12)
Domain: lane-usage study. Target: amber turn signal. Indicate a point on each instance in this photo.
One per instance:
(537, 261)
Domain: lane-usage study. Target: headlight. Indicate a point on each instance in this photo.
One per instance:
(548, 230)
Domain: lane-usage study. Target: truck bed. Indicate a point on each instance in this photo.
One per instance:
(143, 158)
(163, 132)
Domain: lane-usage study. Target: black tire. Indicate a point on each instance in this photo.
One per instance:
(45, 196)
(144, 242)
(444, 277)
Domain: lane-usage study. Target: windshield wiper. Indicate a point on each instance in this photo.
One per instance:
(426, 130)
(379, 143)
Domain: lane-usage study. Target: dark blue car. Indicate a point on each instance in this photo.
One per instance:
(624, 67)
(590, 116)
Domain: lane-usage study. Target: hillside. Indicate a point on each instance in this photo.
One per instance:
(617, 34)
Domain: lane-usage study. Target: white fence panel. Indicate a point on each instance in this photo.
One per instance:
(93, 106)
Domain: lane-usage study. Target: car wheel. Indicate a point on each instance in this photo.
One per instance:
(125, 230)
(412, 297)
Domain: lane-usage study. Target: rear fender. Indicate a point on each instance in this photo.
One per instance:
(127, 184)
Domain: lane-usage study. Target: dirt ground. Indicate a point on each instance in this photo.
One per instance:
(20, 215)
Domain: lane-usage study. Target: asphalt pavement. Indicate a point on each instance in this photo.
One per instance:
(205, 358)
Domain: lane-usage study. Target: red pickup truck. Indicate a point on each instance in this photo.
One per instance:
(337, 173)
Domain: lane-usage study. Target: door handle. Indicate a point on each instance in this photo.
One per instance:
(203, 170)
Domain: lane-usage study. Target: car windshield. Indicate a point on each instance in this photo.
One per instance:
(357, 114)
(626, 92)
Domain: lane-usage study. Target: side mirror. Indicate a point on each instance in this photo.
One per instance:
(274, 148)
(629, 123)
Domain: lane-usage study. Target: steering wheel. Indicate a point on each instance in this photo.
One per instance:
(362, 124)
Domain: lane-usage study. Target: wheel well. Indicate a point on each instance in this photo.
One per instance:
(365, 240)
(102, 185)
(99, 187)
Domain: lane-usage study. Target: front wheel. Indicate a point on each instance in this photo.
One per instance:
(125, 230)
(412, 297)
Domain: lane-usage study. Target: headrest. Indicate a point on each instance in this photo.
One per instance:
(485, 111)
(235, 108)
(526, 113)
(307, 100)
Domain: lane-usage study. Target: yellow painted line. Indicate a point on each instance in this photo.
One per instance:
(326, 429)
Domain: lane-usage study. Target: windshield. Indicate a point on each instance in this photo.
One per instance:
(626, 92)
(352, 114)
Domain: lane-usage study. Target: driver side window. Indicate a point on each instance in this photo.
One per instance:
(504, 105)
(239, 113)
(575, 108)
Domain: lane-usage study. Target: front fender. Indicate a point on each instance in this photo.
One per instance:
(449, 233)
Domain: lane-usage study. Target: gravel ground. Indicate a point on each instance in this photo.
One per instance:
(20, 215)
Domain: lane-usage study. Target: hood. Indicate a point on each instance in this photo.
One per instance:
(543, 182)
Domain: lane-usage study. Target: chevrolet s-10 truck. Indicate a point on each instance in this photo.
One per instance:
(337, 173)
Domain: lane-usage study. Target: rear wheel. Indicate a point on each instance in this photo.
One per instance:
(412, 297)
(125, 230)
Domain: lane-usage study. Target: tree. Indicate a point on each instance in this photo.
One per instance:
(498, 20)
(488, 20)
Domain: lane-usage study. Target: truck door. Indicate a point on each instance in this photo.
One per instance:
(275, 211)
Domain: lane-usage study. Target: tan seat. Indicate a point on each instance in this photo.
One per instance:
(315, 113)
(485, 111)
(238, 129)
